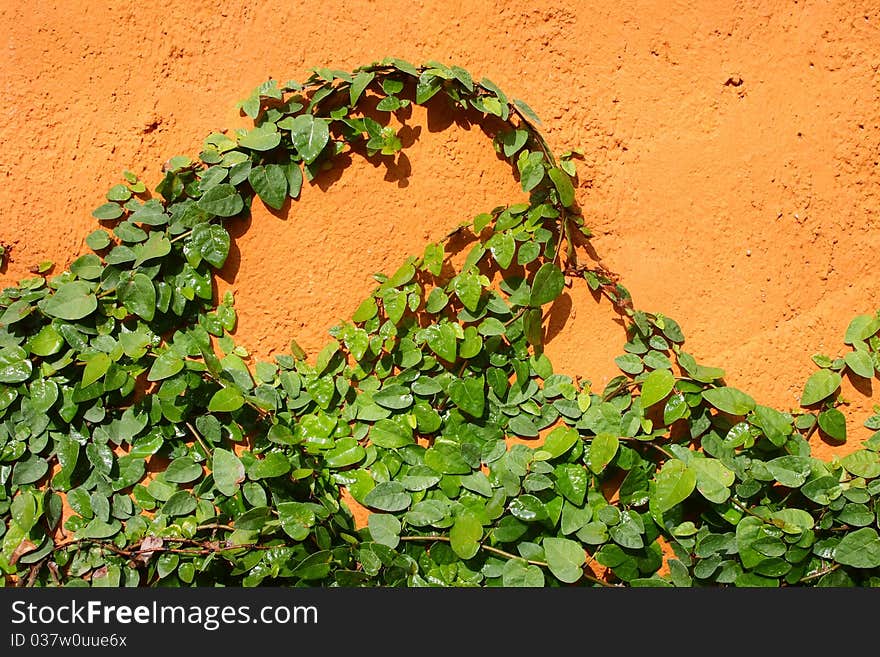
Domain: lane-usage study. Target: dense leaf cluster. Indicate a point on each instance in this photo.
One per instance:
(123, 394)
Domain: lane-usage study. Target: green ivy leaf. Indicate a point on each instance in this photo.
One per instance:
(672, 485)
(565, 558)
(108, 212)
(208, 242)
(139, 297)
(183, 470)
(603, 449)
(560, 441)
(859, 549)
(15, 366)
(657, 385)
(361, 81)
(71, 301)
(861, 328)
(222, 201)
(791, 471)
(518, 573)
(394, 397)
(503, 248)
(714, 479)
(228, 471)
(445, 456)
(270, 184)
(820, 386)
(572, 481)
(465, 535)
(547, 285)
(388, 496)
(861, 363)
(469, 394)
(166, 365)
(563, 186)
(181, 503)
(442, 341)
(833, 423)
(390, 434)
(729, 400)
(273, 464)
(793, 521)
(297, 519)
(309, 135)
(862, 463)
(29, 470)
(226, 400)
(385, 529)
(262, 138)
(96, 367)
(512, 141)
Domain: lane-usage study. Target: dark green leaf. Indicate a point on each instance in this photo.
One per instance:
(270, 184)
(469, 395)
(859, 549)
(139, 296)
(183, 470)
(180, 503)
(209, 242)
(309, 135)
(388, 496)
(547, 285)
(395, 397)
(391, 434)
(833, 424)
(29, 470)
(222, 200)
(563, 186)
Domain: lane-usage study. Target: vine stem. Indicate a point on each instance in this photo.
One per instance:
(501, 553)
(820, 573)
(650, 443)
(180, 237)
(201, 548)
(198, 437)
(746, 509)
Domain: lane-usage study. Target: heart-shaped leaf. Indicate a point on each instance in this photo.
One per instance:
(71, 301)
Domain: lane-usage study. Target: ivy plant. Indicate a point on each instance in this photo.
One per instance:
(138, 447)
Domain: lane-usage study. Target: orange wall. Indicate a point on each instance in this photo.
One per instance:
(731, 152)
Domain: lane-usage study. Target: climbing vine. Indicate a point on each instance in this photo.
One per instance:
(138, 448)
